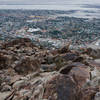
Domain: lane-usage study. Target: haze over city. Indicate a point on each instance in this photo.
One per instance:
(49, 1)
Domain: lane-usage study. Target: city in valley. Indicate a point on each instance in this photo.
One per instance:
(49, 28)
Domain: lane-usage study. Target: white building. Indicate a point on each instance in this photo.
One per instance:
(33, 30)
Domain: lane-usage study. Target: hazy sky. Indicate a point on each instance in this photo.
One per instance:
(49, 1)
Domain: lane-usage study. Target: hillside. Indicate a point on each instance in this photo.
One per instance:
(30, 72)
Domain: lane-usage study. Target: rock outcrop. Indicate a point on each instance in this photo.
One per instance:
(28, 72)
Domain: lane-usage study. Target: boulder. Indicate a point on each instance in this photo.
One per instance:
(64, 49)
(67, 68)
(70, 56)
(18, 84)
(95, 53)
(61, 87)
(97, 60)
(4, 95)
(5, 88)
(80, 75)
(27, 65)
(24, 94)
(95, 73)
(79, 71)
(49, 59)
(95, 77)
(97, 96)
(59, 62)
(5, 61)
(87, 93)
(47, 67)
(93, 63)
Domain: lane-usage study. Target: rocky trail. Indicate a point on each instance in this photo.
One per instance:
(28, 72)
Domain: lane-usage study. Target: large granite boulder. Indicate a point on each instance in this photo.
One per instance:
(61, 87)
(79, 71)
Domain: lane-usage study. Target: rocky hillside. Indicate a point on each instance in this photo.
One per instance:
(28, 72)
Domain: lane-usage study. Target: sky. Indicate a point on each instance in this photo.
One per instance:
(49, 1)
